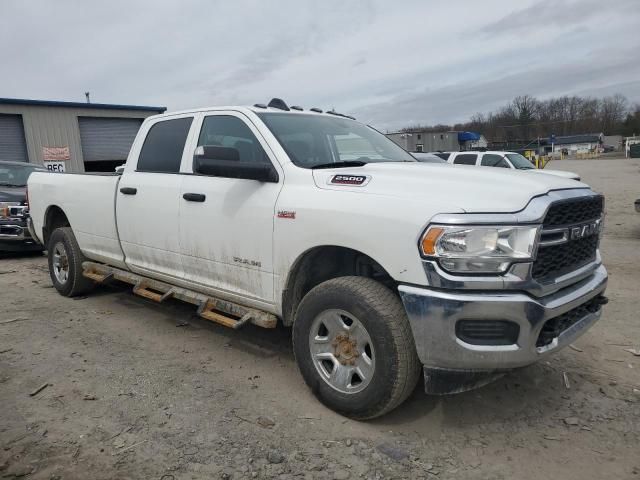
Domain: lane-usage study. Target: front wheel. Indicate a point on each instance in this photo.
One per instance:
(65, 264)
(354, 347)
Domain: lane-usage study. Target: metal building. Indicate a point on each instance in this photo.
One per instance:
(426, 141)
(69, 136)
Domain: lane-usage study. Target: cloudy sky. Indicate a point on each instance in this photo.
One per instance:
(389, 63)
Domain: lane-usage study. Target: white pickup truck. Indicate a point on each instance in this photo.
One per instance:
(383, 266)
(496, 159)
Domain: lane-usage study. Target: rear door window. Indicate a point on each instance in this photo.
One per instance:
(163, 147)
(494, 160)
(465, 159)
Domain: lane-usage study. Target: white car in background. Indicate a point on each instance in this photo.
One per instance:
(502, 160)
(424, 157)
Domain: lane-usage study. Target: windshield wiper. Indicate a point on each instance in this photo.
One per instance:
(11, 185)
(346, 163)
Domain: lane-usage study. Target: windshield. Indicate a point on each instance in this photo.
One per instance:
(317, 140)
(520, 162)
(15, 175)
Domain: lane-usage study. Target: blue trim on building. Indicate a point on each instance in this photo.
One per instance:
(102, 106)
(468, 136)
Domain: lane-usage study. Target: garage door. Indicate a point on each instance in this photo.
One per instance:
(12, 145)
(107, 139)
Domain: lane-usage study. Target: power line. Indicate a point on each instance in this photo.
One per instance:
(549, 122)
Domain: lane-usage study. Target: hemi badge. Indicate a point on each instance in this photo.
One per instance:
(287, 214)
(357, 180)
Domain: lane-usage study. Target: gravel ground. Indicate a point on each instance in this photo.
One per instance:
(137, 390)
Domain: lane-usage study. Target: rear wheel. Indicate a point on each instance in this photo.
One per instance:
(65, 264)
(354, 347)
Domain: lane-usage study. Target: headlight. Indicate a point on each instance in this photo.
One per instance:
(479, 249)
(5, 208)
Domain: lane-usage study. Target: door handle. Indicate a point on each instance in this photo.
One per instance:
(128, 190)
(194, 197)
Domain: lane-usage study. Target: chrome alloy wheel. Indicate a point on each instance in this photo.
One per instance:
(342, 351)
(60, 263)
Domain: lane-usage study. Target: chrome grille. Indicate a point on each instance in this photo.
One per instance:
(574, 211)
(11, 230)
(554, 260)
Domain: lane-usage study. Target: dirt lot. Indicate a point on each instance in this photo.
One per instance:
(135, 390)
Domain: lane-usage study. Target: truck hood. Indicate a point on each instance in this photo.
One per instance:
(557, 173)
(13, 194)
(468, 188)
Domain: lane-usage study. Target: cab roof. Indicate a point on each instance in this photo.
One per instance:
(276, 105)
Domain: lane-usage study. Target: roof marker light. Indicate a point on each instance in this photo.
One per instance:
(333, 112)
(278, 103)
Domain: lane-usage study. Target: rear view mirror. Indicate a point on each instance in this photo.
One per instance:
(225, 162)
(215, 152)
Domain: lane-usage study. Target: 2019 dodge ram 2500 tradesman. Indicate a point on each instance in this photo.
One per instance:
(381, 265)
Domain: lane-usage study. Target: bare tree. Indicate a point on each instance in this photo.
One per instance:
(525, 118)
(525, 108)
(631, 124)
(612, 112)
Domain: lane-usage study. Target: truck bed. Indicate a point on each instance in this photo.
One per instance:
(88, 201)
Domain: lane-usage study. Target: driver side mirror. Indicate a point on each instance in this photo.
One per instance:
(217, 161)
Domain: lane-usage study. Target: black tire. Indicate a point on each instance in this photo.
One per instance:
(75, 283)
(397, 367)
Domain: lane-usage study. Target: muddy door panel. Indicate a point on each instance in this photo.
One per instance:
(226, 214)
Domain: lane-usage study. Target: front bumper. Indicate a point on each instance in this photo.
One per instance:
(433, 315)
(15, 235)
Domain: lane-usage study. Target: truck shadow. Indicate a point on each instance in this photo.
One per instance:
(534, 393)
(252, 340)
(19, 255)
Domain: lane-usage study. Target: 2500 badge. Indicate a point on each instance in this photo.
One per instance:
(357, 180)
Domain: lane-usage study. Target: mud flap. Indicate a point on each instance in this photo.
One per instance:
(440, 381)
